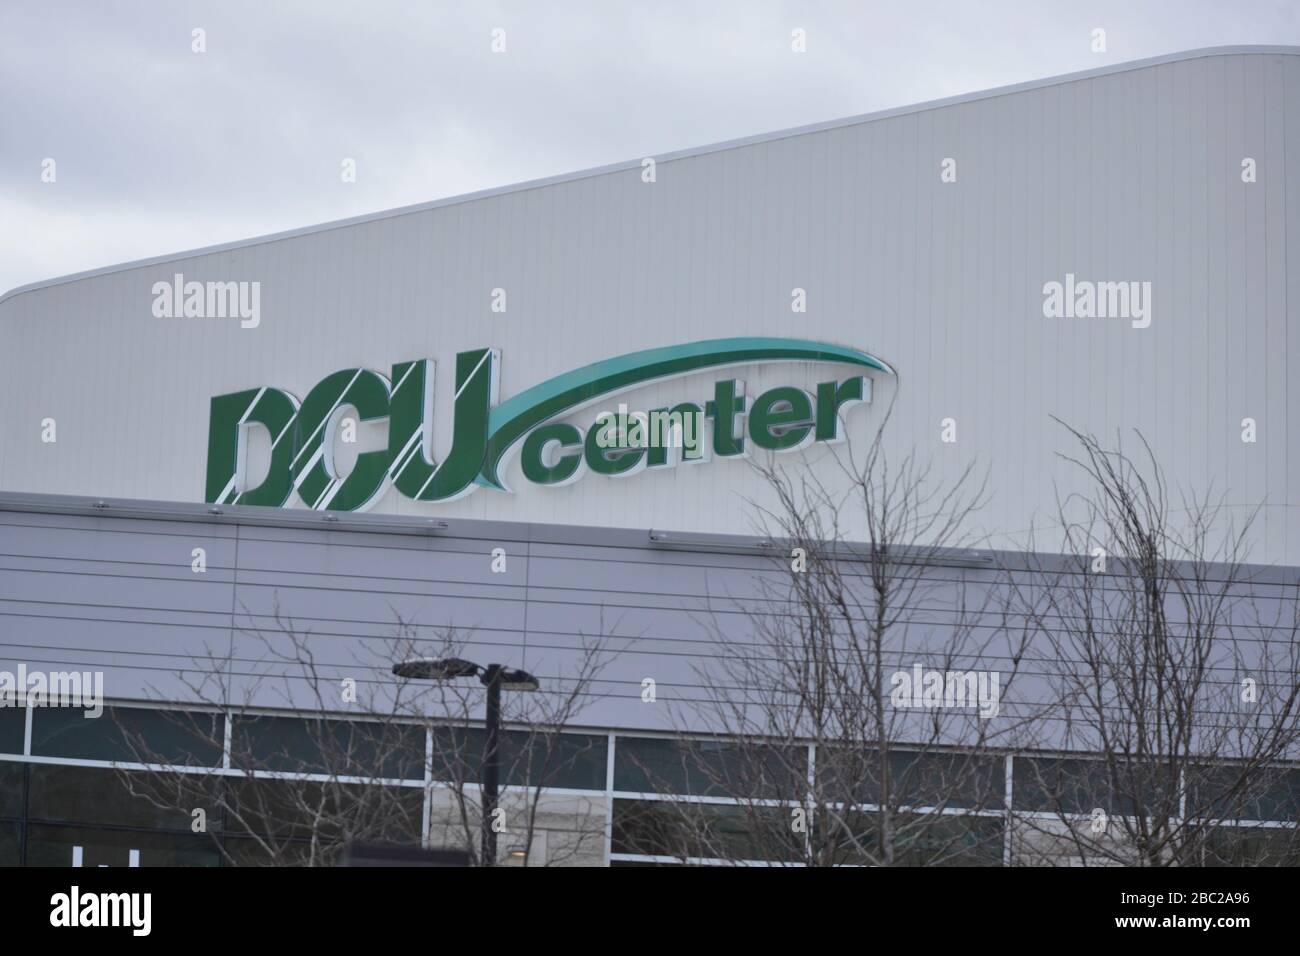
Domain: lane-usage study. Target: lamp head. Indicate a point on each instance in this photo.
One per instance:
(435, 668)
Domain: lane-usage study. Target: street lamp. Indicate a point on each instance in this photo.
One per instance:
(496, 678)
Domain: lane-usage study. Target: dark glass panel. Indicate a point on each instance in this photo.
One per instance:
(937, 779)
(366, 749)
(566, 761)
(11, 789)
(13, 725)
(91, 795)
(930, 839)
(129, 735)
(1238, 793)
(11, 843)
(1251, 846)
(708, 831)
(278, 811)
(1077, 785)
(56, 846)
(709, 768)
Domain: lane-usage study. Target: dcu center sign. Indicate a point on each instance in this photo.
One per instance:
(487, 434)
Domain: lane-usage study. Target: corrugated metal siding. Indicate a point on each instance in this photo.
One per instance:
(1130, 175)
(117, 594)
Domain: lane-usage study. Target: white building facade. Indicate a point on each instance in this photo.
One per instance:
(397, 419)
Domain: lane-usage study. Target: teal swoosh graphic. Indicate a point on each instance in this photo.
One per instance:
(513, 419)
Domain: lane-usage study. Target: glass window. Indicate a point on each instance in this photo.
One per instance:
(11, 789)
(1043, 784)
(916, 779)
(281, 811)
(570, 761)
(1252, 846)
(11, 843)
(930, 839)
(1238, 793)
(703, 831)
(13, 727)
(643, 863)
(128, 735)
(709, 768)
(58, 846)
(368, 749)
(1078, 785)
(91, 795)
(561, 760)
(245, 851)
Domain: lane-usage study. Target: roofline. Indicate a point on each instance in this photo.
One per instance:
(994, 560)
(1127, 66)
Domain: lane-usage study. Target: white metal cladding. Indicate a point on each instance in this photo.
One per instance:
(112, 590)
(1131, 173)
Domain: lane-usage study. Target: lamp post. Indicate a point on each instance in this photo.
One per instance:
(496, 678)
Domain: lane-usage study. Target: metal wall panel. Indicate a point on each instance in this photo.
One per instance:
(125, 600)
(1132, 173)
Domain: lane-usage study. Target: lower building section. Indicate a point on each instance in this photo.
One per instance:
(252, 688)
(261, 789)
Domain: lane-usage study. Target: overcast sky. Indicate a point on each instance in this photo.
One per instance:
(159, 149)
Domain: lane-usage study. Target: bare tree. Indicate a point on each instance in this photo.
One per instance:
(1175, 672)
(357, 756)
(829, 758)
